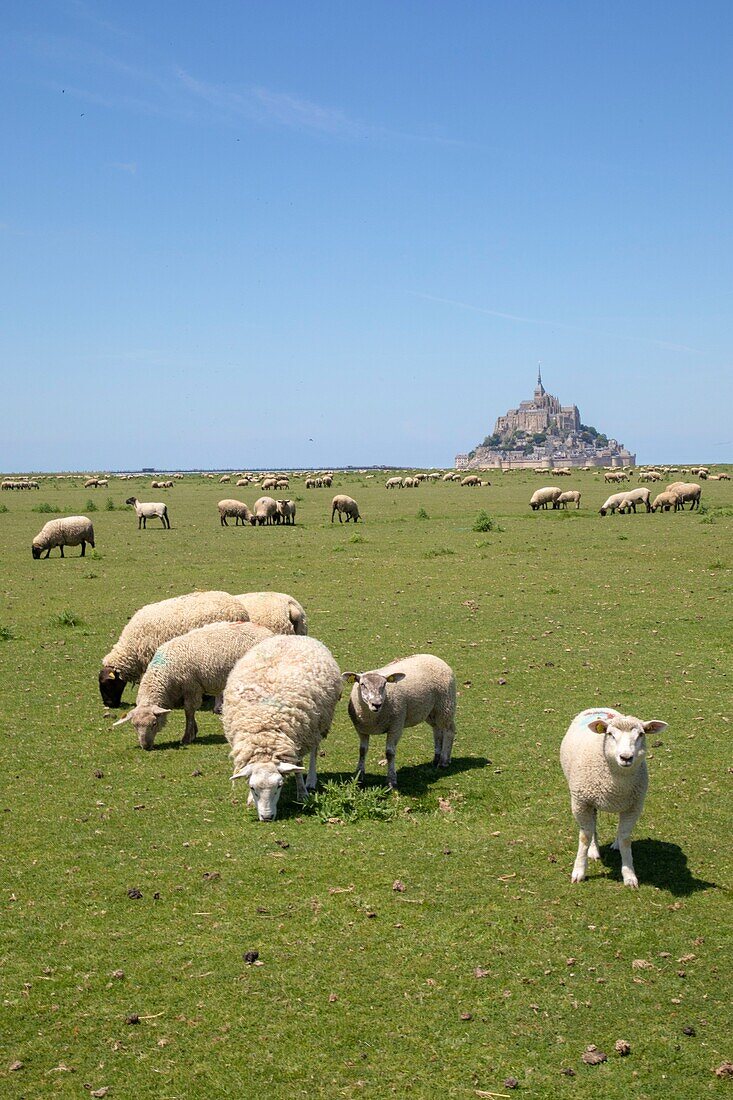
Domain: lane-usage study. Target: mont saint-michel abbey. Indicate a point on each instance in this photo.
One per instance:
(542, 432)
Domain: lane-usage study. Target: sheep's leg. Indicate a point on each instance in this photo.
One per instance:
(585, 818)
(83, 548)
(437, 743)
(363, 749)
(301, 792)
(622, 843)
(62, 551)
(191, 704)
(393, 737)
(312, 778)
(447, 736)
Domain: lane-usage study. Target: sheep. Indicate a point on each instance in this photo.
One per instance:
(345, 506)
(242, 481)
(154, 624)
(279, 703)
(472, 480)
(328, 481)
(286, 511)
(184, 670)
(603, 756)
(149, 510)
(422, 688)
(634, 497)
(66, 531)
(223, 479)
(265, 511)
(237, 509)
(615, 475)
(279, 612)
(723, 477)
(269, 483)
(685, 490)
(394, 483)
(664, 501)
(542, 497)
(572, 496)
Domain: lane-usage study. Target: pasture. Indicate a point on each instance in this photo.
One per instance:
(439, 951)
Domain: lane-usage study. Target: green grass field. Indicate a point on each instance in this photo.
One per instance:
(489, 964)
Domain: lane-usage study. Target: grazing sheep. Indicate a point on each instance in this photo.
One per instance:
(421, 688)
(155, 624)
(279, 612)
(279, 702)
(66, 531)
(269, 483)
(91, 483)
(184, 670)
(542, 497)
(236, 509)
(223, 479)
(572, 496)
(149, 510)
(345, 506)
(632, 497)
(286, 512)
(393, 483)
(310, 483)
(472, 480)
(686, 490)
(723, 477)
(328, 481)
(265, 511)
(242, 481)
(603, 756)
(664, 501)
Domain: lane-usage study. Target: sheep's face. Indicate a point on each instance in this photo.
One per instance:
(624, 741)
(265, 784)
(111, 686)
(36, 551)
(147, 719)
(372, 687)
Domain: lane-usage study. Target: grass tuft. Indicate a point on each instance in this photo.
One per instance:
(3, 508)
(109, 505)
(46, 509)
(90, 506)
(441, 552)
(421, 514)
(484, 522)
(67, 618)
(346, 801)
(357, 538)
(6, 633)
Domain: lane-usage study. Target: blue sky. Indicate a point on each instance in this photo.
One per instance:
(275, 233)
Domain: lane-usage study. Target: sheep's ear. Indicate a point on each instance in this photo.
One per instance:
(285, 768)
(243, 773)
(159, 710)
(395, 677)
(654, 726)
(599, 725)
(351, 677)
(127, 718)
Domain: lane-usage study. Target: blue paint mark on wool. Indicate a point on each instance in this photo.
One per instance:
(159, 660)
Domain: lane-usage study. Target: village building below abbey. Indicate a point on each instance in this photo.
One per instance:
(542, 432)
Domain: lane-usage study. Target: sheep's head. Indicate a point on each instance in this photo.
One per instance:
(265, 784)
(624, 742)
(372, 686)
(36, 551)
(111, 686)
(131, 500)
(148, 719)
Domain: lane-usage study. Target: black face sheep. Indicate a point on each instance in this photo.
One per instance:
(157, 623)
(404, 693)
(603, 756)
(69, 531)
(345, 506)
(146, 510)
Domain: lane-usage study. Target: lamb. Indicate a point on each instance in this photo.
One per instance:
(184, 670)
(265, 511)
(422, 688)
(603, 756)
(237, 509)
(345, 506)
(664, 501)
(279, 612)
(686, 490)
(149, 510)
(572, 496)
(279, 703)
(542, 497)
(286, 512)
(155, 624)
(66, 531)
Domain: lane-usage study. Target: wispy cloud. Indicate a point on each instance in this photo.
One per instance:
(665, 344)
(124, 166)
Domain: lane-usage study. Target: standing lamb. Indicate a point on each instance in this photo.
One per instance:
(345, 506)
(149, 510)
(66, 531)
(236, 509)
(155, 624)
(421, 688)
(603, 756)
(286, 512)
(664, 501)
(184, 670)
(542, 497)
(278, 705)
(572, 496)
(277, 611)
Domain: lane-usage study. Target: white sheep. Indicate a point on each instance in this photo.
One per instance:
(236, 509)
(154, 624)
(279, 612)
(686, 490)
(65, 531)
(542, 497)
(404, 693)
(393, 483)
(346, 506)
(265, 511)
(572, 496)
(664, 501)
(603, 756)
(184, 670)
(286, 512)
(146, 510)
(279, 703)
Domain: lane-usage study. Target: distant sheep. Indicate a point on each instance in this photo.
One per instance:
(346, 506)
(404, 693)
(542, 497)
(279, 703)
(572, 496)
(235, 509)
(393, 483)
(472, 480)
(686, 490)
(149, 510)
(603, 756)
(66, 531)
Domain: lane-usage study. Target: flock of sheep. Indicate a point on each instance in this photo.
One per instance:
(677, 494)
